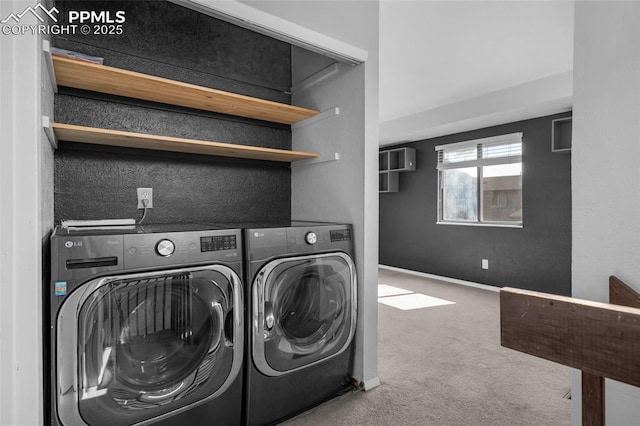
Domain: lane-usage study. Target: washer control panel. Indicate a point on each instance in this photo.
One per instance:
(77, 254)
(218, 242)
(174, 248)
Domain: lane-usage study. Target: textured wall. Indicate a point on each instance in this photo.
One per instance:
(164, 39)
(536, 257)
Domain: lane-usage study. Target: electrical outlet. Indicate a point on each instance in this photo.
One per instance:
(145, 194)
(485, 263)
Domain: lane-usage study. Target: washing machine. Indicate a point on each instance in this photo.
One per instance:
(146, 326)
(301, 307)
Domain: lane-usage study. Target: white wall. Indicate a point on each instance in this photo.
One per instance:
(606, 167)
(545, 96)
(346, 190)
(26, 197)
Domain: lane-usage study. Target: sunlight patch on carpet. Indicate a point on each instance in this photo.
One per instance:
(406, 300)
(385, 290)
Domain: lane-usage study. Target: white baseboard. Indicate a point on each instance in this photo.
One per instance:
(371, 383)
(447, 279)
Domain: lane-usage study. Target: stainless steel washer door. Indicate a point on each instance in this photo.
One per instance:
(132, 349)
(303, 310)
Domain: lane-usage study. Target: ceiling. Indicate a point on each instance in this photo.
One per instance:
(451, 66)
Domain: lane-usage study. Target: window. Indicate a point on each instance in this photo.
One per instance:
(480, 181)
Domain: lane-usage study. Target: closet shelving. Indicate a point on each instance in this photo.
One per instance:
(104, 79)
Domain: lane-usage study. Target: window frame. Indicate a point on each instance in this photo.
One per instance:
(479, 163)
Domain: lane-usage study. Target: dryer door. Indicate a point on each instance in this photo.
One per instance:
(136, 348)
(304, 311)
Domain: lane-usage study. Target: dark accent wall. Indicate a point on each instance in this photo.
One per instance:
(535, 257)
(168, 40)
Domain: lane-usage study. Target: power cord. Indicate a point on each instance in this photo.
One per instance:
(145, 203)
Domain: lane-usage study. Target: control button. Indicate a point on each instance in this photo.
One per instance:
(133, 250)
(165, 248)
(193, 246)
(311, 238)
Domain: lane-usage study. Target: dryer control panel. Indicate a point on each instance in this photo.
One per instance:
(264, 243)
(340, 234)
(218, 242)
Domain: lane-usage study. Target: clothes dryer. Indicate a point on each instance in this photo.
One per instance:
(146, 326)
(301, 304)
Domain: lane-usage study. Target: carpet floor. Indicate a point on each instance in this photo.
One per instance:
(443, 365)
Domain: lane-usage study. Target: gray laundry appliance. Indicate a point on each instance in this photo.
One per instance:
(301, 316)
(145, 326)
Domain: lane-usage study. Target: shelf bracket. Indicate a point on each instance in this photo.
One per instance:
(331, 112)
(48, 130)
(46, 48)
(315, 78)
(322, 159)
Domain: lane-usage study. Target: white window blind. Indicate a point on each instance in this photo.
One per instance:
(503, 149)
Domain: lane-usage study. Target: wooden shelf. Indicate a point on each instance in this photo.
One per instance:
(100, 78)
(93, 135)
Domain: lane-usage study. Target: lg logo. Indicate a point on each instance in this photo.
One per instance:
(70, 244)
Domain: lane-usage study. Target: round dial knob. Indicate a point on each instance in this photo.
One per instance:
(165, 248)
(311, 237)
